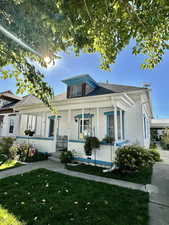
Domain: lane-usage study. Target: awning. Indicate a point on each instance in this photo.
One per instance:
(86, 115)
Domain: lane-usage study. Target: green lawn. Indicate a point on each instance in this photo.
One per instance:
(9, 165)
(141, 177)
(42, 197)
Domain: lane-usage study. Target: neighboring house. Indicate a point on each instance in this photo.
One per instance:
(88, 108)
(8, 116)
(159, 125)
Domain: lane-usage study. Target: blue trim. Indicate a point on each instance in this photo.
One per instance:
(104, 143)
(121, 143)
(86, 115)
(111, 113)
(36, 138)
(82, 141)
(77, 141)
(51, 117)
(81, 79)
(93, 161)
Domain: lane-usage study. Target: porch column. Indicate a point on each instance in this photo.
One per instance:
(19, 124)
(69, 124)
(115, 124)
(121, 125)
(55, 134)
(97, 123)
(82, 120)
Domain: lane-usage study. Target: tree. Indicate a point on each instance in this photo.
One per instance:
(104, 26)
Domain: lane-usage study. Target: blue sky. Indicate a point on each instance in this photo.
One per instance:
(126, 70)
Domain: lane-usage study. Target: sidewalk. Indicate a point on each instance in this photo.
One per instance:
(58, 167)
(159, 202)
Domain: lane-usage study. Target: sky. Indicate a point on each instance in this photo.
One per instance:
(126, 71)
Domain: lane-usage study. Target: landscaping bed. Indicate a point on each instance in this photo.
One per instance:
(141, 177)
(43, 197)
(10, 164)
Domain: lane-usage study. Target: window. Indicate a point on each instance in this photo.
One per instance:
(31, 122)
(87, 127)
(11, 126)
(51, 127)
(110, 125)
(146, 127)
(75, 90)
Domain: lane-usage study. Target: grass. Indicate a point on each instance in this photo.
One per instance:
(43, 197)
(141, 177)
(9, 165)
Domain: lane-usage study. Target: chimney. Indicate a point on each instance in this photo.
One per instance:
(146, 85)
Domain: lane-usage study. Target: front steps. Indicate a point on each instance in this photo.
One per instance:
(54, 157)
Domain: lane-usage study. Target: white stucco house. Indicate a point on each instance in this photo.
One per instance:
(92, 108)
(8, 116)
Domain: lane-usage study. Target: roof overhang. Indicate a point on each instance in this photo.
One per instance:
(81, 79)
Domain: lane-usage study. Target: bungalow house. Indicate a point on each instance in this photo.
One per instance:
(88, 108)
(8, 116)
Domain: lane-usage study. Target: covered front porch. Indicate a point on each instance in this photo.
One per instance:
(99, 118)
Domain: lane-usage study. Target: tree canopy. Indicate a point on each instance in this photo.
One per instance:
(103, 26)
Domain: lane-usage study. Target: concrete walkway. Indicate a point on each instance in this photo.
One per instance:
(58, 167)
(159, 202)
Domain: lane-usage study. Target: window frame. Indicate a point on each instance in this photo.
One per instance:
(51, 126)
(11, 126)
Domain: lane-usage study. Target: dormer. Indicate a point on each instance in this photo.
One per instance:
(80, 86)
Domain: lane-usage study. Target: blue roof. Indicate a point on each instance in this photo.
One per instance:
(81, 79)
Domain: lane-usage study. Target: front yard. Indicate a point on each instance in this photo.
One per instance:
(141, 177)
(43, 197)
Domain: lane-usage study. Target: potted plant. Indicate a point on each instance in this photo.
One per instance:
(91, 143)
(29, 132)
(108, 140)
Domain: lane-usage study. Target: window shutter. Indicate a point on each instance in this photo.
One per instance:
(83, 89)
(68, 91)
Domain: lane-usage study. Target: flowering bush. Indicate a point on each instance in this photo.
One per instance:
(27, 153)
(34, 155)
(133, 158)
(21, 150)
(155, 155)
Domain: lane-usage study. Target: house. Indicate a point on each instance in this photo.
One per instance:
(8, 116)
(158, 126)
(88, 108)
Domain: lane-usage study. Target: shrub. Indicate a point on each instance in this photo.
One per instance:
(165, 139)
(5, 144)
(91, 143)
(34, 155)
(66, 157)
(133, 158)
(22, 151)
(108, 140)
(155, 155)
(153, 145)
